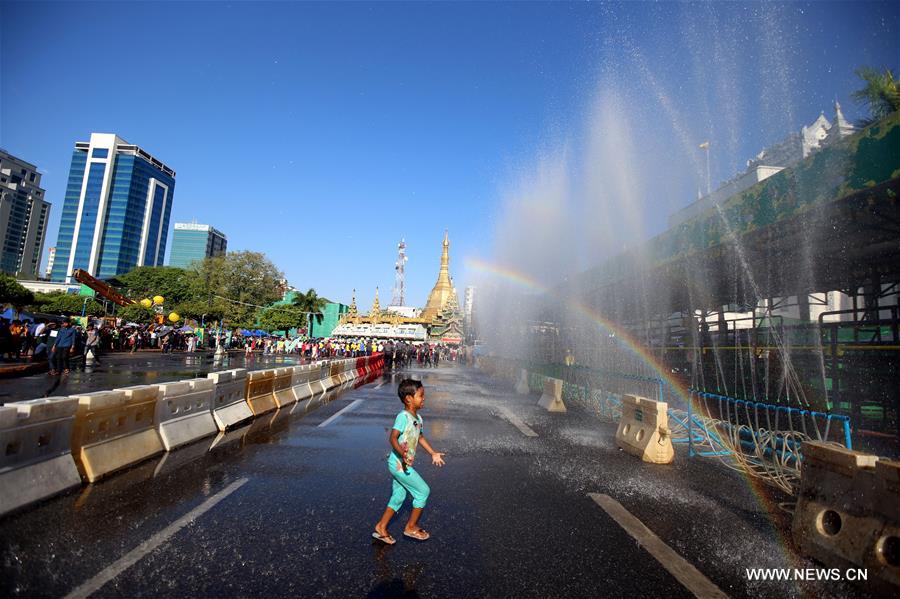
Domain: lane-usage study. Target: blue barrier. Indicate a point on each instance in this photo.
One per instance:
(774, 411)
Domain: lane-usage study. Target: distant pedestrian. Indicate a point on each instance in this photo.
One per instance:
(405, 436)
(92, 344)
(63, 348)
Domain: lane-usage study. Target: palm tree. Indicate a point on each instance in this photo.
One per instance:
(312, 304)
(881, 94)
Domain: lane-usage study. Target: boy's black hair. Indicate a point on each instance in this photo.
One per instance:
(408, 387)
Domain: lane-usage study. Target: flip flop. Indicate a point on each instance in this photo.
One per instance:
(419, 535)
(386, 539)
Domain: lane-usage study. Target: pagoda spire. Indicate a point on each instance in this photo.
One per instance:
(842, 126)
(376, 306)
(442, 289)
(352, 311)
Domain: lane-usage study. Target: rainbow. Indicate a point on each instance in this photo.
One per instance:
(622, 334)
(757, 487)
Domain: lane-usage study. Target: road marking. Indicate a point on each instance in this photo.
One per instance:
(132, 557)
(517, 422)
(335, 416)
(689, 576)
(379, 385)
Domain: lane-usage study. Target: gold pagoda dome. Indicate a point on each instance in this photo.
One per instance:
(443, 288)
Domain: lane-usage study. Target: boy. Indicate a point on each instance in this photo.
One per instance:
(404, 437)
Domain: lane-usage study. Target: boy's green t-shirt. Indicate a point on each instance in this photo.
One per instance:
(410, 429)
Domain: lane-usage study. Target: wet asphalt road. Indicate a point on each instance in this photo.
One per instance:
(509, 514)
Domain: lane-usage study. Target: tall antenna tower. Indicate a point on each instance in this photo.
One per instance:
(399, 298)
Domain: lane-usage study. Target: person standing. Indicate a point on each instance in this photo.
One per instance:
(92, 344)
(63, 348)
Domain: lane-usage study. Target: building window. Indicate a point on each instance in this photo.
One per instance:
(100, 153)
(31, 177)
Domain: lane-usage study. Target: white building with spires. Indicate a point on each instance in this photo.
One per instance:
(777, 157)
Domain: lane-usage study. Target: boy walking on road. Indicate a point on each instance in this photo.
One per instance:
(404, 437)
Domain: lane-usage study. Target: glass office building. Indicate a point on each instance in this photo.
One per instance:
(23, 217)
(116, 211)
(193, 242)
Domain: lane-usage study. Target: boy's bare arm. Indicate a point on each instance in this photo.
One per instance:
(437, 458)
(393, 439)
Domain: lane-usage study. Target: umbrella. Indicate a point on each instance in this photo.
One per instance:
(185, 329)
(132, 324)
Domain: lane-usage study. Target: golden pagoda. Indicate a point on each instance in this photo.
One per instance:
(375, 312)
(443, 288)
(447, 326)
(441, 317)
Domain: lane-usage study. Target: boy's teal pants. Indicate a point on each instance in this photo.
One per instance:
(406, 481)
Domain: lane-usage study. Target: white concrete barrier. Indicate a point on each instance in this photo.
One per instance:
(644, 430)
(318, 380)
(349, 373)
(114, 430)
(300, 382)
(848, 512)
(551, 400)
(282, 393)
(229, 406)
(522, 387)
(37, 461)
(184, 412)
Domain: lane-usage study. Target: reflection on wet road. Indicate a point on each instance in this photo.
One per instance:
(142, 368)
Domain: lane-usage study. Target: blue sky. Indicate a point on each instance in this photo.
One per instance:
(321, 134)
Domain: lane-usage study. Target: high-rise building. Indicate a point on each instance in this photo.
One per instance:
(51, 256)
(469, 299)
(116, 212)
(193, 243)
(468, 313)
(23, 217)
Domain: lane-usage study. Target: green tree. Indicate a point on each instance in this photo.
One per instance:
(136, 313)
(881, 94)
(202, 310)
(310, 302)
(174, 284)
(242, 281)
(281, 317)
(58, 302)
(13, 293)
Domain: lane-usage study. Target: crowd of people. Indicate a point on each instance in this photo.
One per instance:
(60, 339)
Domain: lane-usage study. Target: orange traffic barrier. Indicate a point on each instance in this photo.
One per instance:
(115, 429)
(259, 391)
